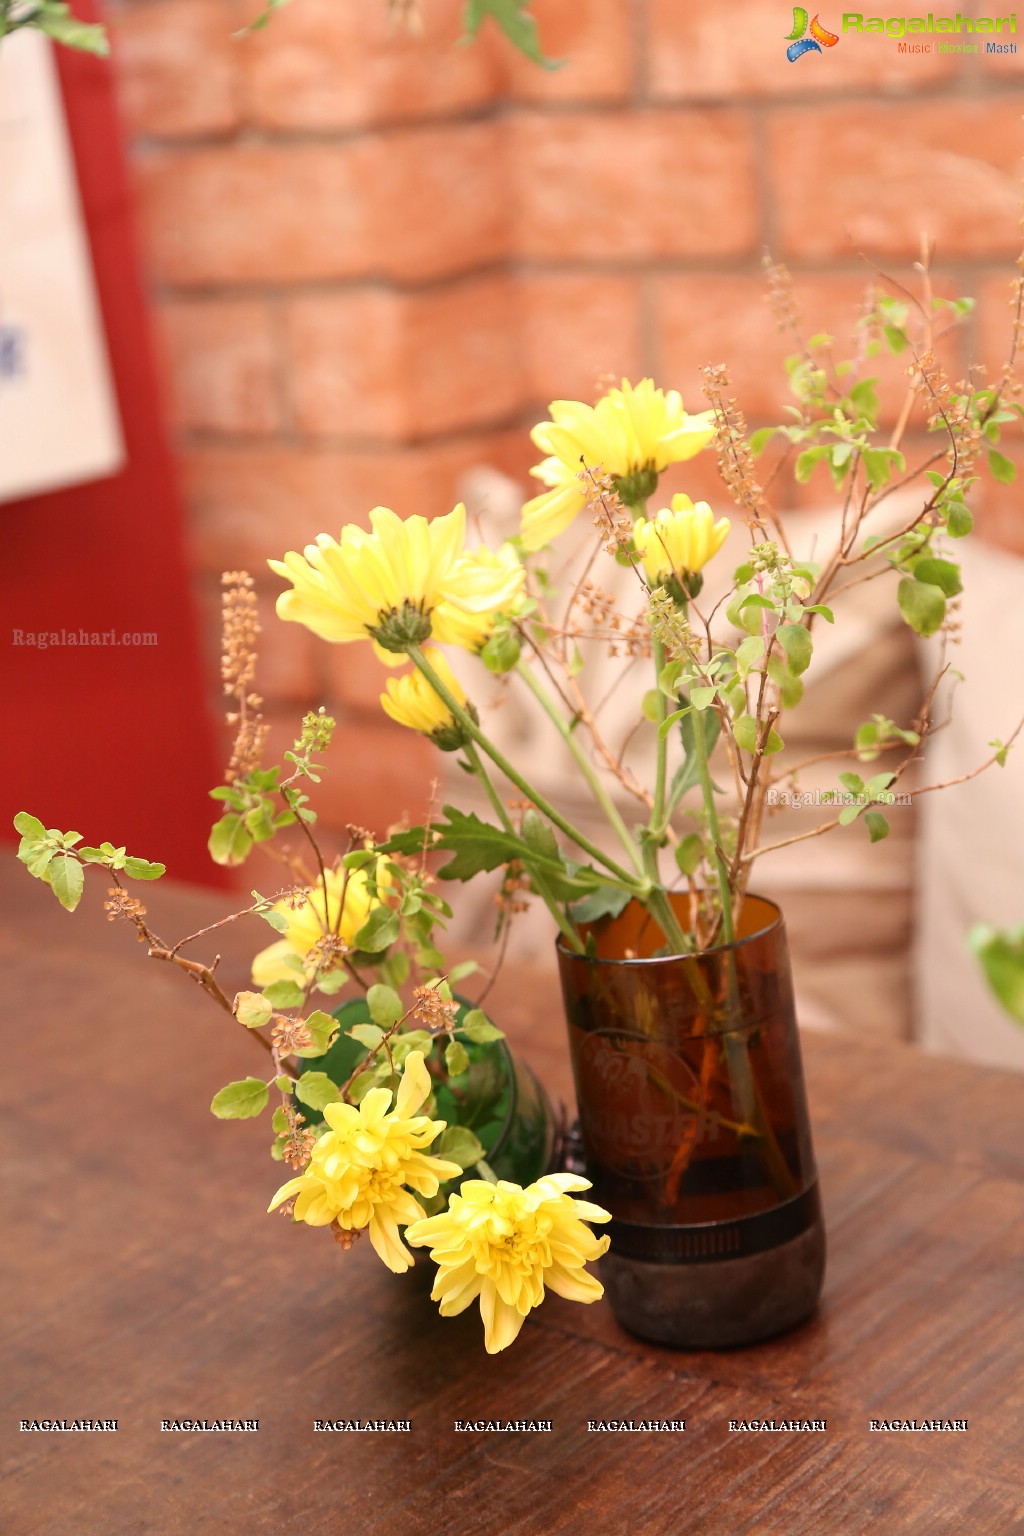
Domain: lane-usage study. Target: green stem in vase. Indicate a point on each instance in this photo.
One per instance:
(584, 764)
(500, 761)
(566, 929)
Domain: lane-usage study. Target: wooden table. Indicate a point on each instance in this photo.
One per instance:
(144, 1282)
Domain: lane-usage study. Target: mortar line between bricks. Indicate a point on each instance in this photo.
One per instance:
(516, 267)
(197, 439)
(147, 146)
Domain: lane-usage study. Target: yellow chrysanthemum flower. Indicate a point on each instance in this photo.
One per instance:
(411, 701)
(679, 540)
(400, 583)
(632, 432)
(504, 1244)
(360, 1167)
(308, 919)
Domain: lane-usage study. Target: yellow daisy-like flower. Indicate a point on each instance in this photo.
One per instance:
(308, 920)
(399, 584)
(679, 540)
(633, 433)
(361, 1166)
(504, 1244)
(411, 701)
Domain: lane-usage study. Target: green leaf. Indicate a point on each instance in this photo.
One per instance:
(702, 698)
(279, 1121)
(1003, 469)
(57, 22)
(650, 705)
(689, 853)
(1002, 960)
(745, 731)
(848, 814)
(277, 920)
(749, 653)
(669, 721)
(323, 1029)
(826, 613)
(807, 461)
(285, 994)
(959, 520)
(368, 1035)
(259, 822)
(253, 1009)
(798, 646)
(28, 826)
(877, 825)
(459, 1145)
(66, 878)
(283, 1084)
(921, 604)
(142, 869)
(465, 968)
(515, 21)
(540, 839)
(939, 573)
(791, 688)
(852, 783)
(760, 439)
(317, 1090)
(866, 742)
(241, 1100)
(379, 931)
(456, 1059)
(385, 1005)
(229, 842)
(476, 1026)
(605, 901)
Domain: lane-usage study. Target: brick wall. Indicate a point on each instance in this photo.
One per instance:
(373, 259)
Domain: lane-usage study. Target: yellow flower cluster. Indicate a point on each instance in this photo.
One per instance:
(505, 1244)
(365, 1165)
(308, 920)
(629, 430)
(679, 539)
(398, 584)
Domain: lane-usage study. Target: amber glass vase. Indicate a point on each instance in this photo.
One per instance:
(695, 1128)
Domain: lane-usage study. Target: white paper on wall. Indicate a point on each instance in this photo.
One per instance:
(58, 416)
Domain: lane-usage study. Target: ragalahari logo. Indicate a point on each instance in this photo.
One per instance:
(799, 44)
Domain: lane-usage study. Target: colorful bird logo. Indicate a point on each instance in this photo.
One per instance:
(799, 44)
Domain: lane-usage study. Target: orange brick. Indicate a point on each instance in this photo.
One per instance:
(398, 365)
(222, 365)
(872, 178)
(700, 53)
(633, 185)
(247, 505)
(998, 507)
(727, 319)
(412, 204)
(996, 305)
(176, 66)
(577, 327)
(593, 39)
(351, 677)
(323, 66)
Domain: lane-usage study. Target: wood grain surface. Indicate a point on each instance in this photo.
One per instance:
(143, 1281)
